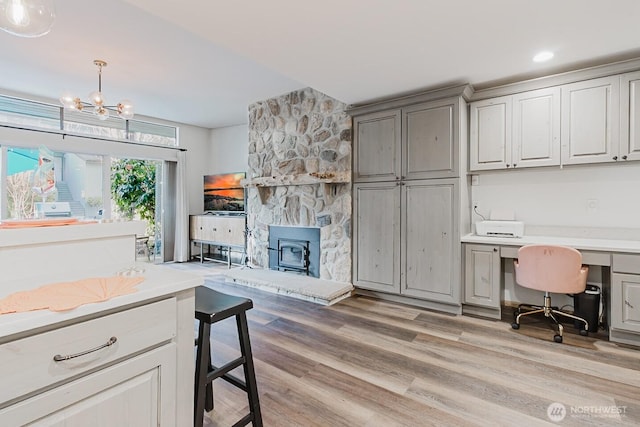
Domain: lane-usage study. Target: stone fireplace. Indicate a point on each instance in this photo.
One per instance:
(300, 176)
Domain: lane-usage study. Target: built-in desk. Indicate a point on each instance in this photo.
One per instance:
(484, 276)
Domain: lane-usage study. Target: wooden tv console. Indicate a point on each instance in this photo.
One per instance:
(225, 231)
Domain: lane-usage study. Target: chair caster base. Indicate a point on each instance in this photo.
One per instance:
(557, 338)
(584, 332)
(515, 326)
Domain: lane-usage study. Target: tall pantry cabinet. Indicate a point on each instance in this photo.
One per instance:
(410, 197)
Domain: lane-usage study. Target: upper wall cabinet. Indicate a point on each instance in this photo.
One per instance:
(429, 140)
(630, 117)
(590, 121)
(416, 142)
(377, 146)
(521, 130)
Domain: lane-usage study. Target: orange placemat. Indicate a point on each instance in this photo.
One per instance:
(26, 223)
(68, 295)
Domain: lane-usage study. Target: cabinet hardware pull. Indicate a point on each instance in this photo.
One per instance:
(615, 157)
(59, 358)
(508, 165)
(624, 157)
(628, 304)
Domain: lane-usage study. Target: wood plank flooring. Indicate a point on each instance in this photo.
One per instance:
(365, 362)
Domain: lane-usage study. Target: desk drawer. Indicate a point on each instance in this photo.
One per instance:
(626, 263)
(28, 364)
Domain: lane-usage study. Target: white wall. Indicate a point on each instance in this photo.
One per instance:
(604, 195)
(229, 149)
(196, 141)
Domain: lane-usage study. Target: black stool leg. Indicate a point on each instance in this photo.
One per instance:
(249, 372)
(203, 354)
(209, 395)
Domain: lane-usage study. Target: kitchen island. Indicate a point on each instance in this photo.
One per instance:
(124, 361)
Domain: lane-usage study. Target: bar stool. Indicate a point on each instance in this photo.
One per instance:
(212, 307)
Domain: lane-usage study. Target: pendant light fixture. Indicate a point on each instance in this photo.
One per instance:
(124, 109)
(26, 18)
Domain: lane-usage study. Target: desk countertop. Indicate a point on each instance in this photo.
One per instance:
(160, 281)
(585, 244)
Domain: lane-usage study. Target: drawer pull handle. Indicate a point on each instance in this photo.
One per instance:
(59, 358)
(627, 303)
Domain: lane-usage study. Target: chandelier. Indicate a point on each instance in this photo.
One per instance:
(124, 109)
(26, 18)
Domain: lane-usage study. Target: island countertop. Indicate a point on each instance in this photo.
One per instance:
(160, 281)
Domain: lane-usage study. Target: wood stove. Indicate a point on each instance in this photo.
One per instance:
(295, 249)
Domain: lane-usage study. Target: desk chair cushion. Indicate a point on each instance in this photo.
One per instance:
(556, 269)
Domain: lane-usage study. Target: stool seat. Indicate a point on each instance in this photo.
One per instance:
(211, 307)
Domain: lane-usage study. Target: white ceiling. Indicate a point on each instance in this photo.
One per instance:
(202, 62)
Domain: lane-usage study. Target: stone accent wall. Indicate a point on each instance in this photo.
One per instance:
(301, 134)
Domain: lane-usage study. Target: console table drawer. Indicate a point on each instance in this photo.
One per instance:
(28, 364)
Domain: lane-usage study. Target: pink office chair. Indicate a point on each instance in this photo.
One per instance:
(552, 269)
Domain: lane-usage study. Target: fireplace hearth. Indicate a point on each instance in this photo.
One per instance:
(295, 249)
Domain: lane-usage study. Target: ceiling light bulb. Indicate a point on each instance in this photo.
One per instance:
(17, 13)
(125, 109)
(27, 18)
(96, 98)
(101, 112)
(67, 100)
(543, 56)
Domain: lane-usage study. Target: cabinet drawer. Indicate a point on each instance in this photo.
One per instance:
(28, 364)
(626, 263)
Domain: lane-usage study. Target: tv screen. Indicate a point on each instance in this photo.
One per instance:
(224, 193)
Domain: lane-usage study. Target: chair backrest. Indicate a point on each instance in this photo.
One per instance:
(550, 268)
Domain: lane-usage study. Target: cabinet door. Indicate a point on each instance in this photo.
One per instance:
(590, 121)
(625, 301)
(430, 140)
(490, 134)
(630, 120)
(430, 250)
(536, 128)
(482, 275)
(377, 146)
(376, 244)
(136, 392)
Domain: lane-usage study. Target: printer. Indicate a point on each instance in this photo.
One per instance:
(500, 228)
(500, 224)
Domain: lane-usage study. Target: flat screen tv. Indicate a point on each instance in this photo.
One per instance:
(223, 193)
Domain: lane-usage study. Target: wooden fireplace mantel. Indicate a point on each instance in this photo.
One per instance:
(326, 179)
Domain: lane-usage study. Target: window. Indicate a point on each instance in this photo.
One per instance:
(38, 115)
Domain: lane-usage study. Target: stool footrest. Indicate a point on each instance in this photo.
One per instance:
(216, 372)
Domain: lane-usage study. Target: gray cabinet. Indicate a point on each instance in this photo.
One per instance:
(430, 267)
(414, 142)
(429, 140)
(406, 239)
(516, 131)
(482, 279)
(625, 298)
(590, 121)
(630, 117)
(376, 150)
(407, 213)
(376, 236)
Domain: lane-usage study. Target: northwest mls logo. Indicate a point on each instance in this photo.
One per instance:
(556, 412)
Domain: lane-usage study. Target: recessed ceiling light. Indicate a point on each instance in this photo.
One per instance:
(543, 56)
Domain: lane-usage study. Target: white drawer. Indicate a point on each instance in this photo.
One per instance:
(28, 364)
(626, 263)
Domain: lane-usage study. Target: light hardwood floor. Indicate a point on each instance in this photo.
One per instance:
(364, 362)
